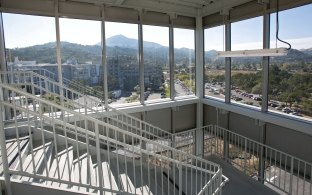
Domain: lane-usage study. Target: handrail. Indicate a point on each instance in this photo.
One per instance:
(94, 128)
(100, 97)
(74, 113)
(164, 133)
(260, 161)
(66, 81)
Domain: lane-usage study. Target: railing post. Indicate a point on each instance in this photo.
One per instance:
(5, 162)
(226, 145)
(98, 157)
(291, 175)
(180, 174)
(199, 142)
(245, 155)
(262, 155)
(261, 169)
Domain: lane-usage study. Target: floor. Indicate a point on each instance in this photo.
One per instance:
(239, 183)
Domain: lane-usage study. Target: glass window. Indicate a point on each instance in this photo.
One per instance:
(290, 76)
(246, 72)
(81, 55)
(184, 62)
(214, 77)
(122, 62)
(27, 46)
(156, 62)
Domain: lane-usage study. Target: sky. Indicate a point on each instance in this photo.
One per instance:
(24, 30)
(248, 34)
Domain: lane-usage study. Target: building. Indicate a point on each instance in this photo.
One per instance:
(239, 141)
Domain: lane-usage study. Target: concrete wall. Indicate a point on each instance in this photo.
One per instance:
(185, 117)
(172, 119)
(291, 141)
(160, 118)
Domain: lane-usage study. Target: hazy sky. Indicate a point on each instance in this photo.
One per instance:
(24, 30)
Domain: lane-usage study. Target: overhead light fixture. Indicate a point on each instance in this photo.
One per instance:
(254, 53)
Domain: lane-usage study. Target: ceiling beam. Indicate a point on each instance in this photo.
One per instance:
(184, 3)
(119, 2)
(149, 5)
(219, 5)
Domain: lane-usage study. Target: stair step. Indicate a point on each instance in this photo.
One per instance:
(82, 173)
(12, 151)
(65, 161)
(128, 186)
(39, 154)
(108, 178)
(126, 183)
(144, 190)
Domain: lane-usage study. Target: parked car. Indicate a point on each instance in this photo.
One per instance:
(287, 110)
(296, 114)
(257, 98)
(162, 95)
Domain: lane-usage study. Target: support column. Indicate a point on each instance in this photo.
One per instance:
(173, 125)
(104, 62)
(58, 43)
(141, 57)
(226, 138)
(227, 59)
(199, 52)
(3, 67)
(262, 154)
(4, 156)
(171, 58)
(265, 60)
(58, 52)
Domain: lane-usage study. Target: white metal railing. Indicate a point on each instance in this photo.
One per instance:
(51, 90)
(71, 83)
(276, 169)
(99, 142)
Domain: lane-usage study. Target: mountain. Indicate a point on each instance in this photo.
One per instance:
(125, 42)
(307, 51)
(46, 53)
(127, 48)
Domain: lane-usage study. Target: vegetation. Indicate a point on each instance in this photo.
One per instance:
(293, 88)
(187, 80)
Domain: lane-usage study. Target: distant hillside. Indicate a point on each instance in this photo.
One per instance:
(307, 51)
(125, 42)
(116, 45)
(122, 46)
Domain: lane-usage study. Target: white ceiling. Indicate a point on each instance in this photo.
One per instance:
(181, 7)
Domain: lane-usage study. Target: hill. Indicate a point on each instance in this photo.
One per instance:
(123, 47)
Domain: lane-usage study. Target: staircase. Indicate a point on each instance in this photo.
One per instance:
(82, 102)
(59, 144)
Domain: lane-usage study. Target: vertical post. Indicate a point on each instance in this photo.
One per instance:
(104, 62)
(58, 51)
(141, 57)
(199, 52)
(227, 60)
(173, 126)
(3, 67)
(291, 175)
(4, 156)
(98, 157)
(262, 153)
(226, 136)
(143, 143)
(171, 57)
(265, 60)
(180, 175)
